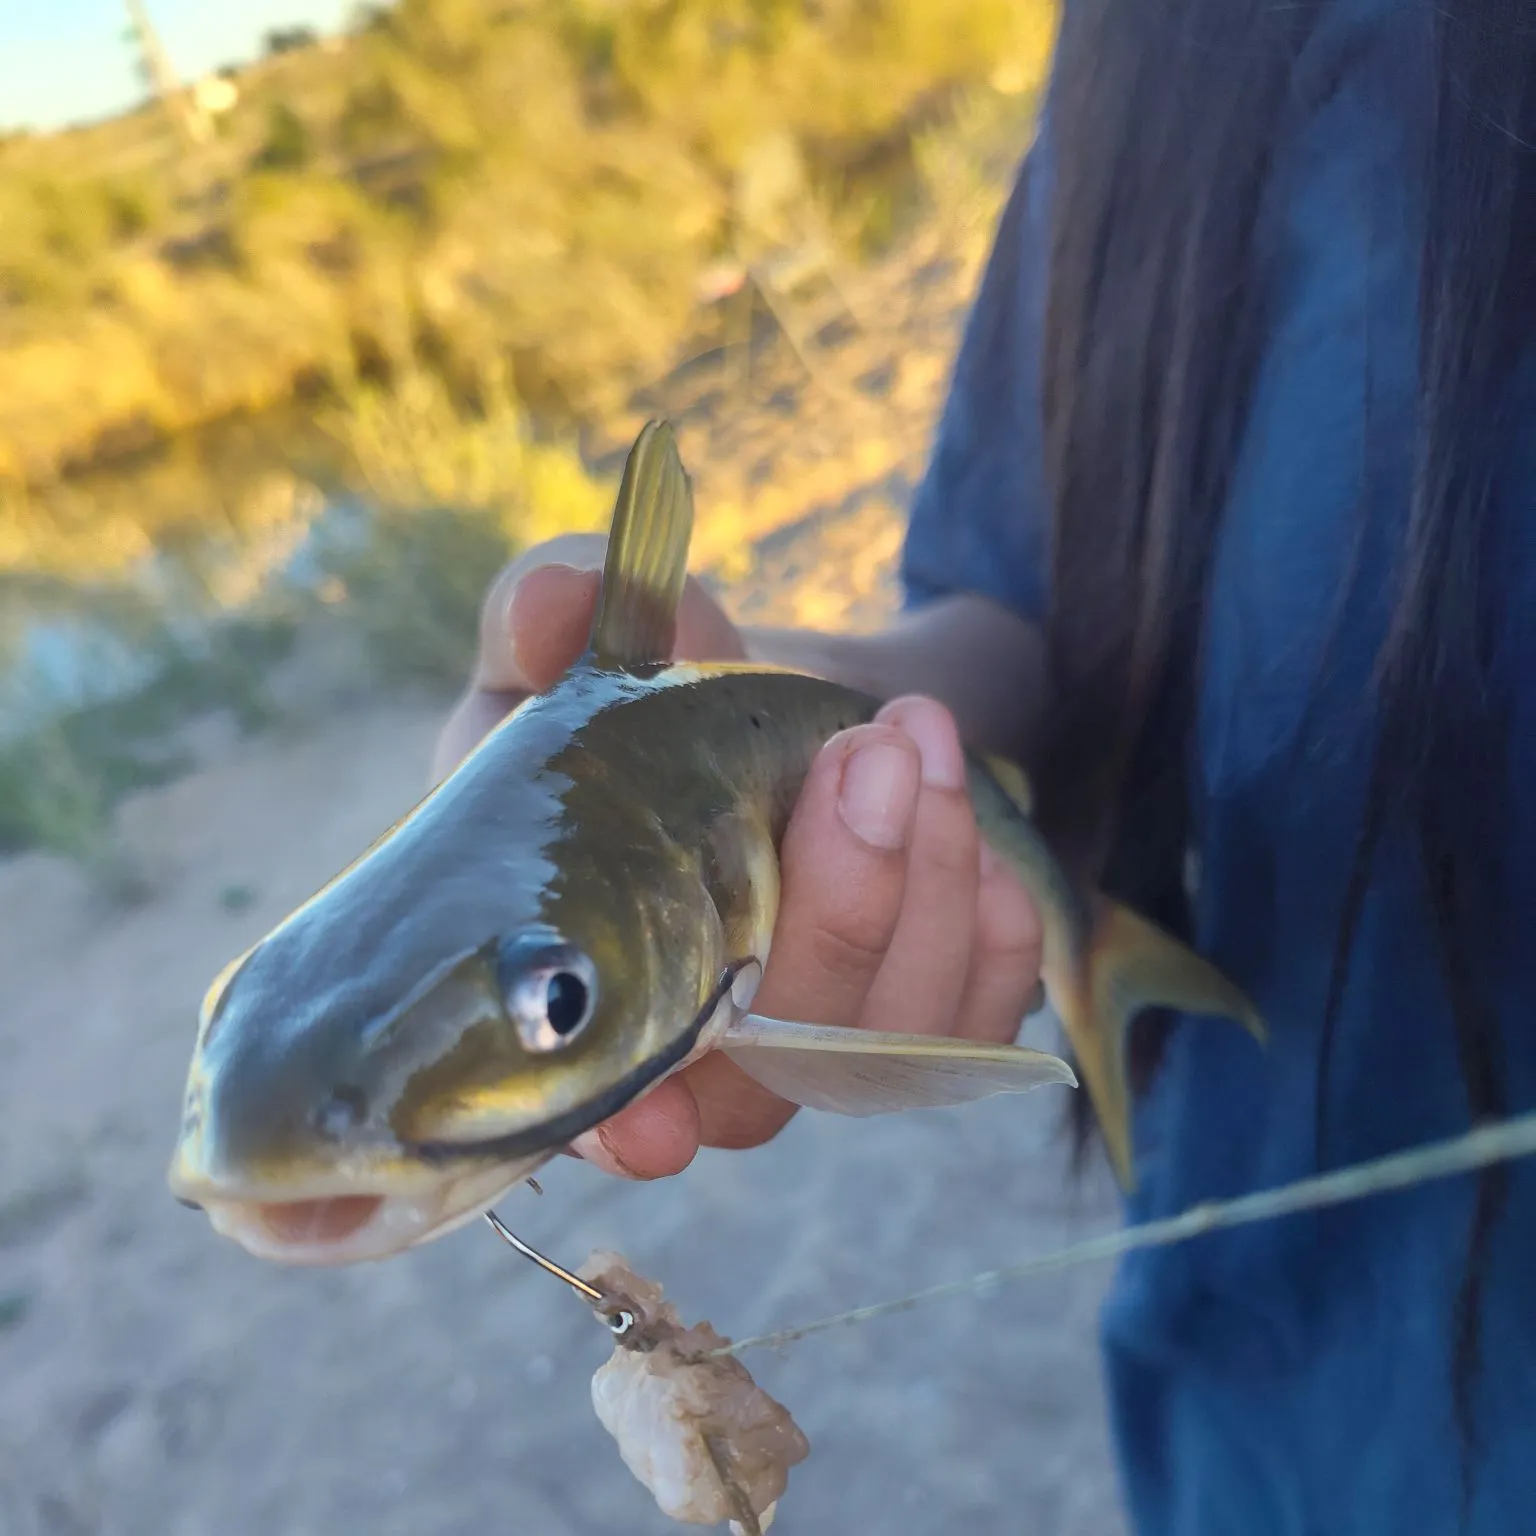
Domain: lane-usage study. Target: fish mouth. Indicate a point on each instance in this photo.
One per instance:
(351, 1225)
(348, 1218)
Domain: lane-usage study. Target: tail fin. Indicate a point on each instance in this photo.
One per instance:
(1131, 964)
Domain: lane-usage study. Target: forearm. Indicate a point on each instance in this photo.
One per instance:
(984, 663)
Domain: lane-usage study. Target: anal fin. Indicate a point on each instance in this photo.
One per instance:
(1131, 965)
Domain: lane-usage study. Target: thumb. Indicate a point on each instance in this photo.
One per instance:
(536, 621)
(535, 618)
(533, 625)
(538, 616)
(547, 621)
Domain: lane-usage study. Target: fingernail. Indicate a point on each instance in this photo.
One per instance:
(937, 744)
(878, 795)
(594, 1147)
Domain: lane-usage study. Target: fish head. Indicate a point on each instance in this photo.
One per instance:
(508, 968)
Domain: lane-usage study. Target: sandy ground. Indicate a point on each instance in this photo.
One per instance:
(155, 1381)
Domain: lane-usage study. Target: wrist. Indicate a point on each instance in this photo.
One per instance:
(841, 659)
(982, 662)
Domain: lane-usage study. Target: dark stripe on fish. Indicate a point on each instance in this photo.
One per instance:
(565, 1128)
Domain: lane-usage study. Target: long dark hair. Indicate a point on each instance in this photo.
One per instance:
(1165, 114)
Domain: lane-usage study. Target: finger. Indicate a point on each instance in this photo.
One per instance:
(843, 865)
(537, 617)
(533, 624)
(650, 1139)
(734, 1110)
(531, 631)
(920, 984)
(576, 557)
(704, 631)
(1005, 956)
(842, 870)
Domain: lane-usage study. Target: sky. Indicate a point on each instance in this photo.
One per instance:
(65, 61)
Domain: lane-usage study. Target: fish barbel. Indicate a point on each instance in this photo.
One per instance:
(583, 907)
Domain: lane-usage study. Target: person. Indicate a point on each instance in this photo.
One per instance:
(1229, 534)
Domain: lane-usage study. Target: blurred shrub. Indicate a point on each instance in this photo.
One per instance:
(453, 492)
(286, 39)
(413, 589)
(288, 146)
(61, 777)
(58, 232)
(49, 799)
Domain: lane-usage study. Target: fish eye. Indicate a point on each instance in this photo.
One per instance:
(550, 993)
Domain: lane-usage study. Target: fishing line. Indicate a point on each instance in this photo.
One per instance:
(1500, 1142)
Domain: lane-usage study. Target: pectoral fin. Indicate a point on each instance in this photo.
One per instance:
(647, 563)
(867, 1072)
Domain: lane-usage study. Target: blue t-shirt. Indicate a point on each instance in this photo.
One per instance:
(1293, 1378)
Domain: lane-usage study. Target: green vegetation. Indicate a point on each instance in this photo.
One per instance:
(60, 779)
(543, 181)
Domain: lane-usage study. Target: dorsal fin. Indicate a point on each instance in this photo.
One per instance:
(647, 560)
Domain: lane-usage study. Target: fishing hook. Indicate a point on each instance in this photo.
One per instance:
(619, 1322)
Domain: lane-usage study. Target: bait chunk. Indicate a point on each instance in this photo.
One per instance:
(703, 1437)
